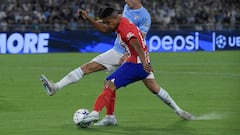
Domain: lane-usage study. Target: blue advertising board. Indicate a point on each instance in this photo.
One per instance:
(94, 41)
(226, 40)
(179, 41)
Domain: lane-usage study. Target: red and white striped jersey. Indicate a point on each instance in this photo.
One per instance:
(126, 30)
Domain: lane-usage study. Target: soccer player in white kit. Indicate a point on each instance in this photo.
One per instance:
(109, 61)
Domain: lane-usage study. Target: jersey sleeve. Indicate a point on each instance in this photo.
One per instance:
(128, 34)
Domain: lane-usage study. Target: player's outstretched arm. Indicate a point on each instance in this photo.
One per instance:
(99, 26)
(135, 44)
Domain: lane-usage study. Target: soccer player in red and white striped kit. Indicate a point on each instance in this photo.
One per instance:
(137, 67)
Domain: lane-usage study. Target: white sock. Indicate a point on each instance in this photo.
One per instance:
(70, 78)
(166, 98)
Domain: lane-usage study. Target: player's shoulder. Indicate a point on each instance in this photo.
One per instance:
(124, 23)
(144, 12)
(127, 23)
(143, 9)
(126, 26)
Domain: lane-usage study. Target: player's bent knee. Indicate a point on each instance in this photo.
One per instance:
(110, 84)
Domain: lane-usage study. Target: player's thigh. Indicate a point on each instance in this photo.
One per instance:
(126, 74)
(109, 59)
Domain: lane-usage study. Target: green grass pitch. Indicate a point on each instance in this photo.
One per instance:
(204, 83)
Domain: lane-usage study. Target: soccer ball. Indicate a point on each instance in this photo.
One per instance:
(78, 117)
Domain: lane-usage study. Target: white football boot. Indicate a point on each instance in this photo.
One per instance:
(107, 121)
(185, 115)
(91, 117)
(48, 85)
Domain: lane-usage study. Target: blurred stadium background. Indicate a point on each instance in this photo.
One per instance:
(59, 15)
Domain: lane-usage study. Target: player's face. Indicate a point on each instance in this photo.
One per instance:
(132, 3)
(112, 22)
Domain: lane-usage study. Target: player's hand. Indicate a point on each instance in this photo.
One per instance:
(147, 67)
(82, 13)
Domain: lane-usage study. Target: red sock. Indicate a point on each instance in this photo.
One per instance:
(110, 104)
(103, 99)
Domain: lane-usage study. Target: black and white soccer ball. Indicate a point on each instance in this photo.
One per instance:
(78, 117)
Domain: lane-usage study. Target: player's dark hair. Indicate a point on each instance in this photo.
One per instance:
(107, 11)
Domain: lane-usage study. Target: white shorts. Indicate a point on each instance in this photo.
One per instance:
(110, 59)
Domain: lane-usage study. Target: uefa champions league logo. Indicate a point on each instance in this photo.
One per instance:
(221, 41)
